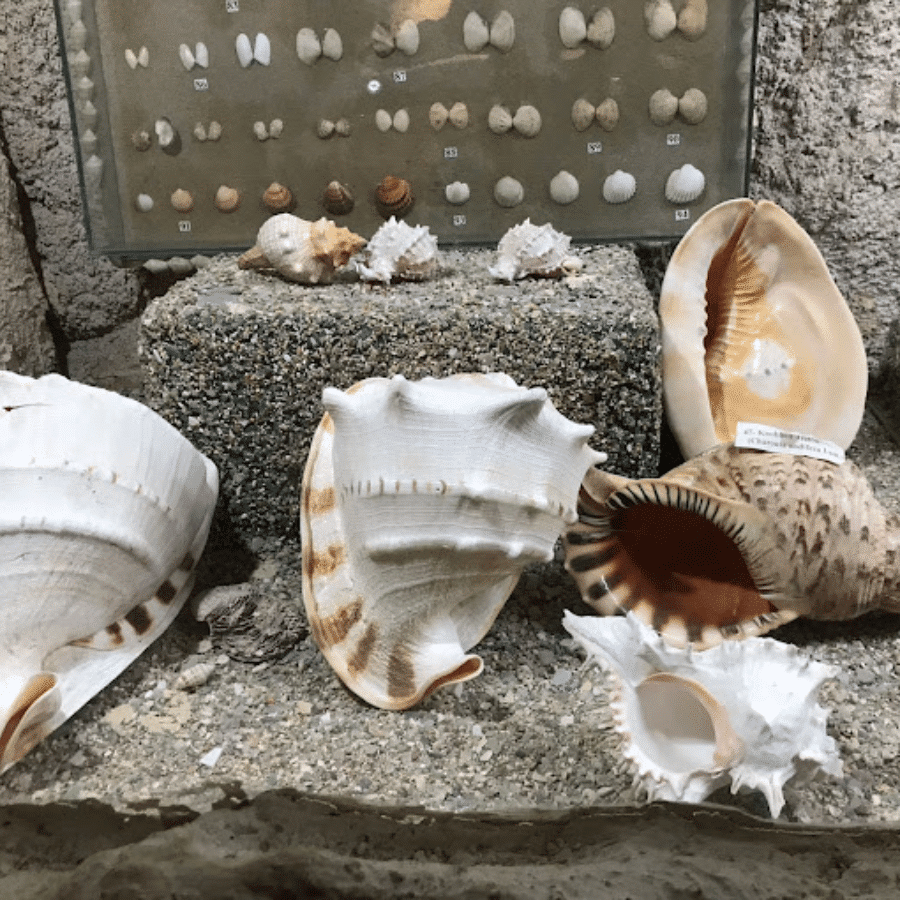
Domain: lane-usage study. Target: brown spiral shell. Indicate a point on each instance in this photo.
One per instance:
(277, 198)
(394, 197)
(337, 199)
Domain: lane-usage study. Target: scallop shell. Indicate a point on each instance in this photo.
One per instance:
(277, 198)
(488, 471)
(105, 510)
(734, 543)
(533, 250)
(308, 252)
(400, 252)
(684, 185)
(337, 199)
(619, 187)
(743, 713)
(394, 197)
(692, 19)
(601, 30)
(752, 320)
(459, 115)
(500, 119)
(572, 27)
(227, 199)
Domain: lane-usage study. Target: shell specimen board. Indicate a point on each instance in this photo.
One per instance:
(734, 543)
(400, 252)
(422, 502)
(743, 713)
(754, 329)
(539, 251)
(104, 512)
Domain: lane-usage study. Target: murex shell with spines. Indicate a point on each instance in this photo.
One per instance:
(735, 543)
(104, 512)
(421, 504)
(399, 251)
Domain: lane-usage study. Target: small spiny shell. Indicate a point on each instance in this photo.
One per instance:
(309, 49)
(227, 199)
(692, 106)
(572, 27)
(337, 199)
(582, 114)
(476, 33)
(181, 200)
(277, 198)
(663, 106)
(692, 19)
(527, 121)
(564, 188)
(508, 191)
(619, 187)
(399, 252)
(661, 19)
(500, 119)
(608, 114)
(459, 115)
(394, 197)
(407, 37)
(684, 185)
(503, 31)
(437, 116)
(601, 29)
(538, 251)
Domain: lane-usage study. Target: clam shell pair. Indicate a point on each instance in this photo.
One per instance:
(104, 512)
(421, 504)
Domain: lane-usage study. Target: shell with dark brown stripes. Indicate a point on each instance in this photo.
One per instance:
(104, 512)
(734, 543)
(422, 502)
(755, 330)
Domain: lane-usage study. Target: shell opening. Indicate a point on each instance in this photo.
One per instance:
(14, 744)
(469, 669)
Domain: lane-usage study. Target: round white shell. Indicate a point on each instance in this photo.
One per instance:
(476, 33)
(619, 187)
(407, 37)
(564, 188)
(332, 45)
(309, 49)
(399, 251)
(508, 191)
(457, 192)
(685, 185)
(528, 249)
(572, 27)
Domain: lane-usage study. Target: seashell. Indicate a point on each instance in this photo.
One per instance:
(743, 713)
(619, 187)
(601, 30)
(93, 171)
(227, 199)
(214, 132)
(692, 106)
(407, 37)
(532, 250)
(276, 128)
(459, 115)
(199, 132)
(500, 119)
(307, 252)
(508, 192)
(692, 19)
(384, 121)
(608, 114)
(325, 128)
(438, 115)
(182, 200)
(503, 31)
(88, 141)
(752, 320)
(457, 192)
(660, 18)
(332, 45)
(187, 57)
(244, 50)
(663, 106)
(309, 48)
(80, 63)
(342, 127)
(131, 58)
(527, 121)
(143, 57)
(572, 27)
(143, 203)
(486, 469)
(84, 89)
(734, 543)
(260, 130)
(382, 40)
(89, 115)
(394, 197)
(476, 33)
(277, 198)
(564, 188)
(399, 252)
(582, 114)
(201, 55)
(166, 135)
(684, 185)
(105, 512)
(262, 49)
(401, 121)
(194, 676)
(337, 199)
(77, 36)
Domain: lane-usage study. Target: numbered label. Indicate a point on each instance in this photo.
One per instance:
(451, 153)
(399, 76)
(184, 226)
(673, 140)
(201, 84)
(682, 215)
(459, 221)
(232, 6)
(595, 147)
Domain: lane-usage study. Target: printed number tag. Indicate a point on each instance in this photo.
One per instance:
(399, 76)
(451, 153)
(673, 140)
(232, 6)
(184, 226)
(459, 221)
(201, 84)
(682, 215)
(595, 147)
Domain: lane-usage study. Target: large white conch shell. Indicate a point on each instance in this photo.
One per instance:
(744, 713)
(399, 251)
(422, 502)
(533, 250)
(104, 512)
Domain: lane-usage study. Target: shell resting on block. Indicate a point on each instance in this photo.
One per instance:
(422, 502)
(308, 252)
(104, 512)
(734, 543)
(743, 713)
(539, 251)
(754, 329)
(399, 251)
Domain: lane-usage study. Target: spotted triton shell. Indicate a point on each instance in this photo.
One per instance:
(398, 251)
(734, 543)
(104, 512)
(422, 502)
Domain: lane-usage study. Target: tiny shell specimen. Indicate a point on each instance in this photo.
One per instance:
(199, 132)
(752, 320)
(476, 33)
(582, 114)
(227, 199)
(325, 128)
(401, 121)
(692, 106)
(214, 132)
(182, 200)
(407, 37)
(508, 192)
(663, 106)
(394, 197)
(186, 56)
(337, 199)
(500, 119)
(277, 198)
(165, 133)
(201, 55)
(527, 121)
(309, 49)
(382, 40)
(457, 192)
(244, 50)
(260, 130)
(144, 202)
(84, 89)
(601, 30)
(503, 31)
(80, 63)
(692, 19)
(399, 252)
(608, 114)
(276, 128)
(140, 139)
(143, 57)
(131, 58)
(538, 251)
(743, 713)
(572, 27)
(307, 252)
(77, 36)
(194, 676)
(684, 185)
(89, 114)
(661, 19)
(395, 609)
(459, 115)
(619, 187)
(438, 115)
(384, 121)
(332, 45)
(262, 49)
(342, 127)
(564, 188)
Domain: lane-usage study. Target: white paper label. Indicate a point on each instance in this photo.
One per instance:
(774, 440)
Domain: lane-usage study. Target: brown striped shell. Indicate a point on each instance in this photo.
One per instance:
(277, 198)
(394, 197)
(337, 199)
(734, 543)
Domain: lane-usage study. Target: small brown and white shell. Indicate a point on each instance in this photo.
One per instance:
(104, 513)
(394, 197)
(754, 329)
(399, 252)
(194, 676)
(734, 543)
(227, 199)
(538, 251)
(337, 199)
(438, 115)
(277, 198)
(182, 200)
(459, 115)
(486, 470)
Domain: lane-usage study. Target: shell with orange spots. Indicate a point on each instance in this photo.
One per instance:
(422, 502)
